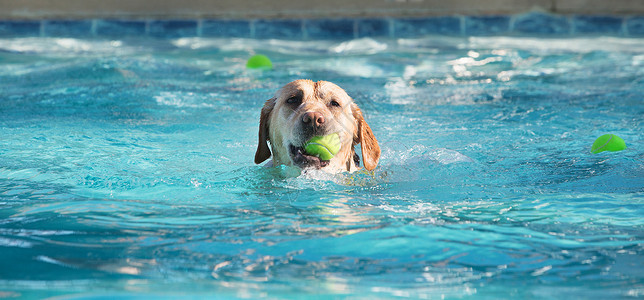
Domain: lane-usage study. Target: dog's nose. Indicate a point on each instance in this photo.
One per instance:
(314, 118)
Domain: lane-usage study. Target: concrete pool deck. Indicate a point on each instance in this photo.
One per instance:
(293, 9)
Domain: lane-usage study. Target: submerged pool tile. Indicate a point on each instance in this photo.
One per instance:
(635, 26)
(598, 24)
(487, 25)
(19, 28)
(173, 28)
(330, 29)
(225, 28)
(279, 29)
(534, 23)
(373, 28)
(68, 28)
(539, 23)
(120, 28)
(427, 26)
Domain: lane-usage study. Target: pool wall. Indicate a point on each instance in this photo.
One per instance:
(290, 19)
(532, 23)
(293, 9)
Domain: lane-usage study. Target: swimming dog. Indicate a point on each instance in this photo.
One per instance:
(303, 109)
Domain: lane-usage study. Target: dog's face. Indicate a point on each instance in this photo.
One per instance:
(303, 109)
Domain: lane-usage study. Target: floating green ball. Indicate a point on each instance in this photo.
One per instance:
(608, 142)
(259, 62)
(324, 147)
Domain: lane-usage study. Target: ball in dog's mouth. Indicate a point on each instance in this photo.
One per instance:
(303, 160)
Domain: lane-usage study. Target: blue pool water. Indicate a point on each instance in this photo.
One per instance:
(126, 170)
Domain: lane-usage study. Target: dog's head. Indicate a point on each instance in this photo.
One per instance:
(303, 109)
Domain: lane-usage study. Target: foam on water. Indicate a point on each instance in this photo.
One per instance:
(126, 169)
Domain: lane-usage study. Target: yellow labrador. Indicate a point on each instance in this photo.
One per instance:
(303, 109)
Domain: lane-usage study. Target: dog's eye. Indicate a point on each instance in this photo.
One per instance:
(295, 100)
(335, 103)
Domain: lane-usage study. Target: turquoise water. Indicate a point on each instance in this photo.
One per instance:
(126, 170)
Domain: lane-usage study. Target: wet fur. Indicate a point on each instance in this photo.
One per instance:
(281, 126)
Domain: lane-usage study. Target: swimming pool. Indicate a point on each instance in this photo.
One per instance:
(126, 169)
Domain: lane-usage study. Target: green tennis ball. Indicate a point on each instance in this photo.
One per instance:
(259, 62)
(608, 142)
(324, 147)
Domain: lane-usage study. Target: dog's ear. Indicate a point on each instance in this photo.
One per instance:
(368, 142)
(263, 151)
